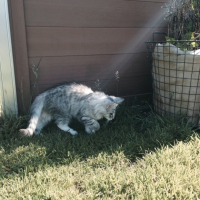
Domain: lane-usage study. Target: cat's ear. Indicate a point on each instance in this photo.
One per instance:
(117, 100)
(110, 106)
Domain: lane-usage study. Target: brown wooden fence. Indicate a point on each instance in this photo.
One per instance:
(82, 41)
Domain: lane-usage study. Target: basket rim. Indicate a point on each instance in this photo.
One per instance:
(172, 41)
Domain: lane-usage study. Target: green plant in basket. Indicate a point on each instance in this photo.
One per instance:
(183, 23)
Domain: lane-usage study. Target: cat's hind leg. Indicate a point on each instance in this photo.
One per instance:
(44, 119)
(63, 125)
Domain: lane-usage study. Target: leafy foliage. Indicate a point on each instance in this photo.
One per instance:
(183, 23)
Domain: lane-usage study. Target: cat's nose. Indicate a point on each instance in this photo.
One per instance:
(112, 116)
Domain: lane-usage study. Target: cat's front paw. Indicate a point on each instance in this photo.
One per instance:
(88, 130)
(73, 132)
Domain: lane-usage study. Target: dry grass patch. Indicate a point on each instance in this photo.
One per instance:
(168, 173)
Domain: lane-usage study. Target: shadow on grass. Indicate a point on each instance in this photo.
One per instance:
(132, 132)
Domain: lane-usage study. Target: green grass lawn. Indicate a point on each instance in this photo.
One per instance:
(137, 156)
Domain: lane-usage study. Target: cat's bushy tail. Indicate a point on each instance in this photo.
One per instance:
(36, 109)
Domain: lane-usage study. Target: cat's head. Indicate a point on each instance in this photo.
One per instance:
(111, 103)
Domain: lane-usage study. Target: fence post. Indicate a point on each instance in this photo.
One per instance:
(7, 75)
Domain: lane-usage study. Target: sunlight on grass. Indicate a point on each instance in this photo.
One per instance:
(137, 156)
(168, 173)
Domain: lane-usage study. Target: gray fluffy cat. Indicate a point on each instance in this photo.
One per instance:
(71, 101)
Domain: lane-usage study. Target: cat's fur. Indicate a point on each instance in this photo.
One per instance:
(70, 101)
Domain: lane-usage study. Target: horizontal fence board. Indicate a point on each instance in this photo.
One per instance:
(155, 1)
(134, 85)
(125, 87)
(87, 41)
(88, 68)
(90, 13)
